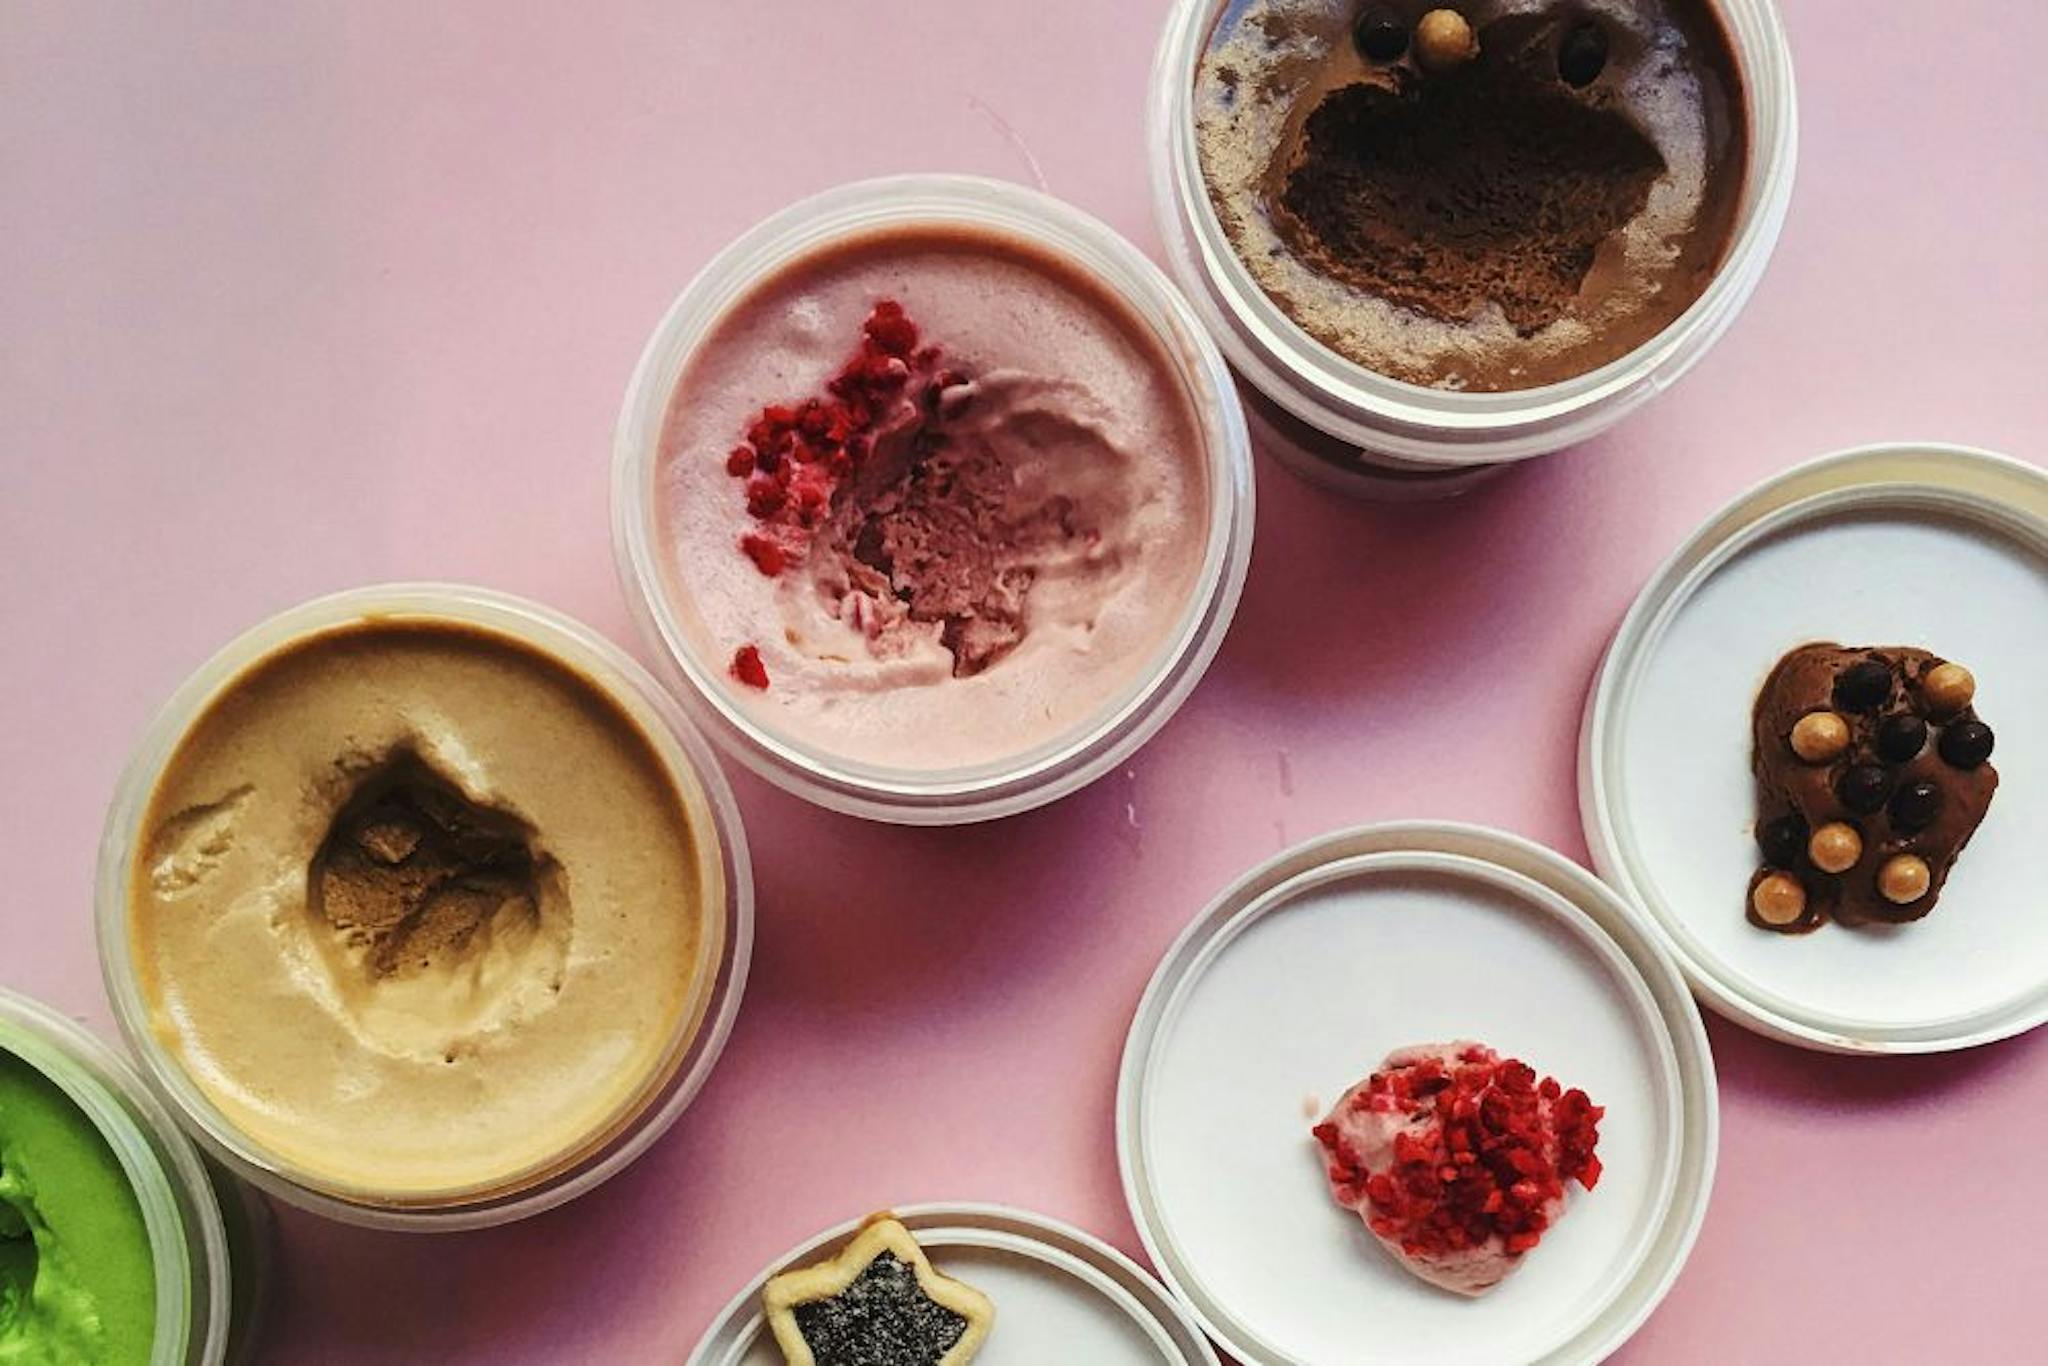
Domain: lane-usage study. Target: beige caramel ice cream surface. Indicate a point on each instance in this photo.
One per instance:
(422, 911)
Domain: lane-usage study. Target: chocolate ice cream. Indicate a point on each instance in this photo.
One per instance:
(1488, 205)
(1871, 776)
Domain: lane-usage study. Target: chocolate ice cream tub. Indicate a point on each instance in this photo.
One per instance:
(1393, 339)
(1864, 566)
(423, 908)
(933, 497)
(145, 1252)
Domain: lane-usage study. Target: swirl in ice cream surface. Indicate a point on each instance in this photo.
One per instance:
(934, 495)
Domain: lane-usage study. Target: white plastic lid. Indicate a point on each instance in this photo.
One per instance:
(1920, 545)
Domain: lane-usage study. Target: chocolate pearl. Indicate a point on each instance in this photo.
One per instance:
(1819, 737)
(1904, 879)
(1863, 787)
(1900, 736)
(1782, 840)
(1966, 744)
(1380, 34)
(1863, 685)
(1583, 54)
(1835, 847)
(1778, 899)
(1947, 689)
(1915, 806)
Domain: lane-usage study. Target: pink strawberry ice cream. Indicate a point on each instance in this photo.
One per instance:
(1456, 1159)
(937, 496)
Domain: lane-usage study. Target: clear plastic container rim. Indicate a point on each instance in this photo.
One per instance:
(187, 1235)
(982, 792)
(1438, 427)
(715, 994)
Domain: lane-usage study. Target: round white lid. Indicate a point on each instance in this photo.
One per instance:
(1060, 1294)
(1929, 546)
(1293, 986)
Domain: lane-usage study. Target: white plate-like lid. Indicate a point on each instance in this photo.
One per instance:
(1060, 1294)
(1929, 546)
(1293, 986)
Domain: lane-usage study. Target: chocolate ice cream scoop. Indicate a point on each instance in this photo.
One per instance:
(1446, 190)
(1492, 195)
(1871, 776)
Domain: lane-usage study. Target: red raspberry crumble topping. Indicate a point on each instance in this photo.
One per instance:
(796, 456)
(748, 668)
(1484, 1150)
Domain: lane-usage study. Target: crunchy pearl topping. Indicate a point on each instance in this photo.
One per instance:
(1904, 879)
(1779, 899)
(1835, 847)
(1948, 688)
(1444, 39)
(1820, 736)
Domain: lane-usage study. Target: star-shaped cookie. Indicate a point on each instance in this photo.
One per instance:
(878, 1302)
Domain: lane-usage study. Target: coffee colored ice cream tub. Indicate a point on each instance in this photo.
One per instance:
(1346, 427)
(603, 1072)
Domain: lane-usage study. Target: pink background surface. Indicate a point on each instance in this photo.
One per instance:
(297, 297)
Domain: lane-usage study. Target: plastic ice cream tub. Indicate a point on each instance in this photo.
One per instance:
(207, 1238)
(892, 788)
(684, 1056)
(1359, 432)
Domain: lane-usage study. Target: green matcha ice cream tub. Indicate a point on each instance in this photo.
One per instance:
(114, 1244)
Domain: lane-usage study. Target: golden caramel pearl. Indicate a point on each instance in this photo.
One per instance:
(1948, 688)
(1443, 39)
(1778, 899)
(1904, 879)
(1819, 736)
(1835, 847)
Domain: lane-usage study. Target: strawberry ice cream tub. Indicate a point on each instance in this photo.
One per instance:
(935, 498)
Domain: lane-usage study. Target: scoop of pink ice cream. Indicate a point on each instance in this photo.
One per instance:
(1456, 1159)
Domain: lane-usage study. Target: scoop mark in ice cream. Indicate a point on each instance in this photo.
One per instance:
(1449, 192)
(1457, 1158)
(415, 877)
(1492, 198)
(901, 506)
(192, 843)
